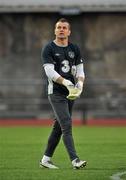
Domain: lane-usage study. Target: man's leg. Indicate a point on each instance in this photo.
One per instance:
(53, 139)
(70, 105)
(60, 107)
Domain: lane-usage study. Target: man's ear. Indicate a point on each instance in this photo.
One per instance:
(69, 32)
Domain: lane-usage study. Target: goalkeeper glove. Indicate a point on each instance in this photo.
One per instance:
(72, 90)
(67, 83)
(79, 86)
(73, 93)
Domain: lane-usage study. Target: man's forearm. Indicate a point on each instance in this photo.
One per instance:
(60, 80)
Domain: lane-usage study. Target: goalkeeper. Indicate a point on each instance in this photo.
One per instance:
(63, 66)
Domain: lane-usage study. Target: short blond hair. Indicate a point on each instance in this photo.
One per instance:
(63, 20)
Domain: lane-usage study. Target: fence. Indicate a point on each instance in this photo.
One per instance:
(27, 98)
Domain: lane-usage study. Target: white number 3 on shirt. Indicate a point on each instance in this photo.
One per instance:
(65, 68)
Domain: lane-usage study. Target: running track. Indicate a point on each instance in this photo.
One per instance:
(49, 122)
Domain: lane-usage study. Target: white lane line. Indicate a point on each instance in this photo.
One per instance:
(117, 176)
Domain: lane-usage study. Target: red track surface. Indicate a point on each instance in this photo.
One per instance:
(106, 122)
(48, 122)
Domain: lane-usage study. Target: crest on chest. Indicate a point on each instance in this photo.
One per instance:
(71, 54)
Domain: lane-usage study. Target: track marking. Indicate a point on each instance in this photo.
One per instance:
(117, 176)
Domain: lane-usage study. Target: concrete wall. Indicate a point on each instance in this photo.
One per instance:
(101, 37)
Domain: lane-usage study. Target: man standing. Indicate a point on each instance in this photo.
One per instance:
(63, 66)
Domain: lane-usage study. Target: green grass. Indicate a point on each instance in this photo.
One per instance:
(21, 148)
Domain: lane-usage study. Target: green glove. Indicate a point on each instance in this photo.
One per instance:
(74, 93)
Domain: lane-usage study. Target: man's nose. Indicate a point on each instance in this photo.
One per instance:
(62, 29)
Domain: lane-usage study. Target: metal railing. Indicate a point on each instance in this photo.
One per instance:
(27, 98)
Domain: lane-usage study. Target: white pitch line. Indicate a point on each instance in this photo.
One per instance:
(117, 176)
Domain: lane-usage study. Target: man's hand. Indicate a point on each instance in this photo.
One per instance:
(71, 88)
(79, 85)
(74, 93)
(67, 83)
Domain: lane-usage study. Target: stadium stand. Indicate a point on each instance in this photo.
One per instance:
(70, 7)
(98, 27)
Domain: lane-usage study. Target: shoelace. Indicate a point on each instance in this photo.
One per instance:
(77, 160)
(50, 162)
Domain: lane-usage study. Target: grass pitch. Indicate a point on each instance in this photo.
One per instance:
(21, 149)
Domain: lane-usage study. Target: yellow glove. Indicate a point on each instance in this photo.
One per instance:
(79, 86)
(70, 86)
(74, 93)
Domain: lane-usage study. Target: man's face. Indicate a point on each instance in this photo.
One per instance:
(62, 30)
